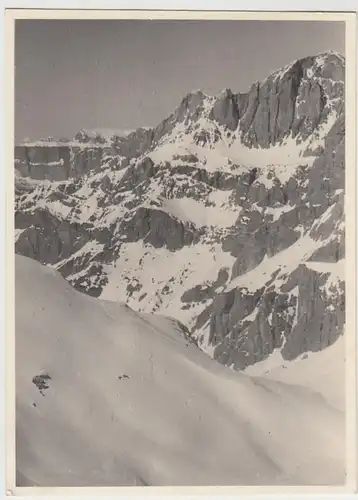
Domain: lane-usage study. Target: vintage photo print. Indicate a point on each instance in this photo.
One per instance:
(181, 212)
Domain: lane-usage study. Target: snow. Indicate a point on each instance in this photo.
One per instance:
(70, 143)
(113, 214)
(264, 180)
(92, 248)
(56, 207)
(156, 268)
(277, 212)
(90, 194)
(58, 163)
(282, 171)
(287, 260)
(317, 139)
(20, 180)
(108, 133)
(261, 368)
(282, 71)
(322, 371)
(204, 342)
(328, 215)
(179, 418)
(190, 210)
(336, 272)
(38, 196)
(336, 269)
(295, 292)
(321, 58)
(43, 143)
(281, 159)
(18, 233)
(89, 206)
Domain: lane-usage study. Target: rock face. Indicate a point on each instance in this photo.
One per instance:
(228, 216)
(52, 163)
(60, 239)
(226, 111)
(56, 162)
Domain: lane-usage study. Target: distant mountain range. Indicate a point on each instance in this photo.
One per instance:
(228, 216)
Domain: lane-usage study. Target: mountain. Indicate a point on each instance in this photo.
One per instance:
(228, 216)
(106, 396)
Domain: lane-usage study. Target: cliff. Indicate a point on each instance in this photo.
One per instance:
(228, 216)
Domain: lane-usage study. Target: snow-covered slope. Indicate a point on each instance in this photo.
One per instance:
(323, 371)
(107, 396)
(228, 216)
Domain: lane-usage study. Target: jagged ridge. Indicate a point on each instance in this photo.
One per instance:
(195, 217)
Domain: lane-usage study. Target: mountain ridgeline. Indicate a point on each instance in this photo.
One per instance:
(228, 216)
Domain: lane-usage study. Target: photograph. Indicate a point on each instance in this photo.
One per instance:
(179, 211)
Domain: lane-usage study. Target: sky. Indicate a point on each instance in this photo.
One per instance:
(123, 74)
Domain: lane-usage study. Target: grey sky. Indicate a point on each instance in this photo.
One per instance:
(125, 74)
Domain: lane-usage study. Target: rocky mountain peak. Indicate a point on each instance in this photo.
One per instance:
(291, 102)
(326, 65)
(227, 216)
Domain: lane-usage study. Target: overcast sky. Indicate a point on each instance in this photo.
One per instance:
(125, 74)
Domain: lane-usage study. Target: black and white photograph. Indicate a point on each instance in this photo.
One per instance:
(180, 252)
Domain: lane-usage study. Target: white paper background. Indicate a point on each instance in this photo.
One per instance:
(253, 5)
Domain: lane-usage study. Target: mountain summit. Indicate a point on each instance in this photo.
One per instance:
(228, 216)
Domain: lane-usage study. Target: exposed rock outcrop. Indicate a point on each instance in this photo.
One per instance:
(229, 215)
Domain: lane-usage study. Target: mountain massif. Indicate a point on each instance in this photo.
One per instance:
(228, 216)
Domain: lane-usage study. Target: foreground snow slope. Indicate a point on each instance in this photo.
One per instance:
(129, 401)
(322, 371)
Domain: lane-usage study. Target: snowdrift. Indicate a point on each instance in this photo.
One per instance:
(322, 371)
(108, 397)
